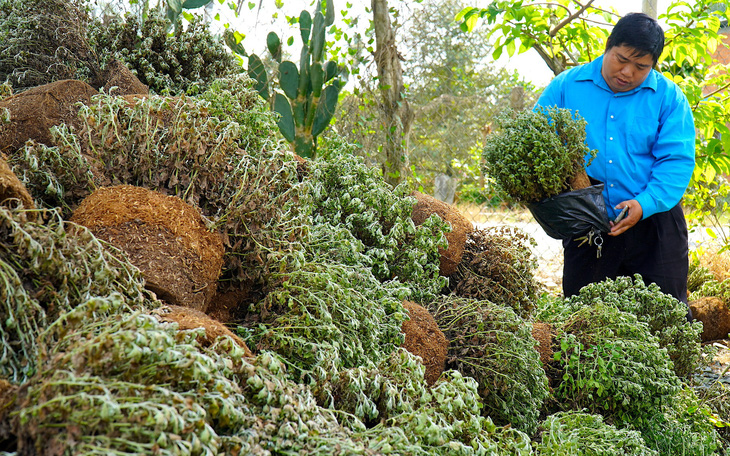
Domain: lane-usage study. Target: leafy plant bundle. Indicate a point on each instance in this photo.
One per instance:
(490, 343)
(45, 41)
(48, 267)
(612, 365)
(202, 149)
(497, 266)
(583, 434)
(325, 317)
(535, 154)
(349, 193)
(185, 61)
(665, 316)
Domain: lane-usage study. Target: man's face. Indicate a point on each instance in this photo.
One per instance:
(623, 70)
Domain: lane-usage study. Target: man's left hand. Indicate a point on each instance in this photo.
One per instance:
(632, 217)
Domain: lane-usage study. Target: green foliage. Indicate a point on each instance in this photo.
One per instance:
(310, 91)
(709, 201)
(443, 419)
(184, 62)
(612, 365)
(697, 277)
(684, 426)
(493, 345)
(349, 193)
(582, 434)
(560, 38)
(45, 41)
(534, 154)
(48, 267)
(665, 316)
(716, 397)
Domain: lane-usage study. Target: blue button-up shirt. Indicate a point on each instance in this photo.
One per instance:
(645, 137)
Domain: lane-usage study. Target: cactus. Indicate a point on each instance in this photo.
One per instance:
(310, 91)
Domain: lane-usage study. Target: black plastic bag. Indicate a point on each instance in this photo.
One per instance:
(572, 214)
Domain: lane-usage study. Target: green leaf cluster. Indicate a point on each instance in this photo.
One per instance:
(185, 61)
(534, 154)
(348, 193)
(665, 316)
(48, 267)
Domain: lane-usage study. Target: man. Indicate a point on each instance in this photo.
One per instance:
(641, 124)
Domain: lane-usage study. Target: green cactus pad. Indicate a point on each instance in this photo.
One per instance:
(304, 146)
(305, 87)
(286, 119)
(305, 26)
(329, 17)
(300, 111)
(325, 109)
(192, 4)
(234, 45)
(257, 71)
(289, 78)
(273, 43)
(330, 70)
(317, 76)
(317, 44)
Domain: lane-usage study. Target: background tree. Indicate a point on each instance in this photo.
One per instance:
(395, 110)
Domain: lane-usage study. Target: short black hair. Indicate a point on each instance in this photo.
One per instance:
(639, 31)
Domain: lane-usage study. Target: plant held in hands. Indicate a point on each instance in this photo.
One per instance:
(538, 154)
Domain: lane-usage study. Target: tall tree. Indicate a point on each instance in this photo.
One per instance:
(397, 115)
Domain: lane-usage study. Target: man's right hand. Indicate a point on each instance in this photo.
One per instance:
(632, 217)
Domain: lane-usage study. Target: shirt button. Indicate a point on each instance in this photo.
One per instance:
(610, 161)
(612, 117)
(611, 138)
(611, 185)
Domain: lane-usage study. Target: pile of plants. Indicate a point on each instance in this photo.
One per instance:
(332, 252)
(217, 152)
(490, 343)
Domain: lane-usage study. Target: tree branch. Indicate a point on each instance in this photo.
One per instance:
(570, 18)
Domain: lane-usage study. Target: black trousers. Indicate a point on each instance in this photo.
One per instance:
(656, 247)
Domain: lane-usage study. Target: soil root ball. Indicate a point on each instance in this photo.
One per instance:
(425, 339)
(119, 80)
(163, 236)
(425, 207)
(187, 319)
(11, 188)
(714, 314)
(35, 111)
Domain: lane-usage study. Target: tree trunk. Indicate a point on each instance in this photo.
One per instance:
(396, 113)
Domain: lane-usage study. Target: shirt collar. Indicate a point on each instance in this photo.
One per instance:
(592, 72)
